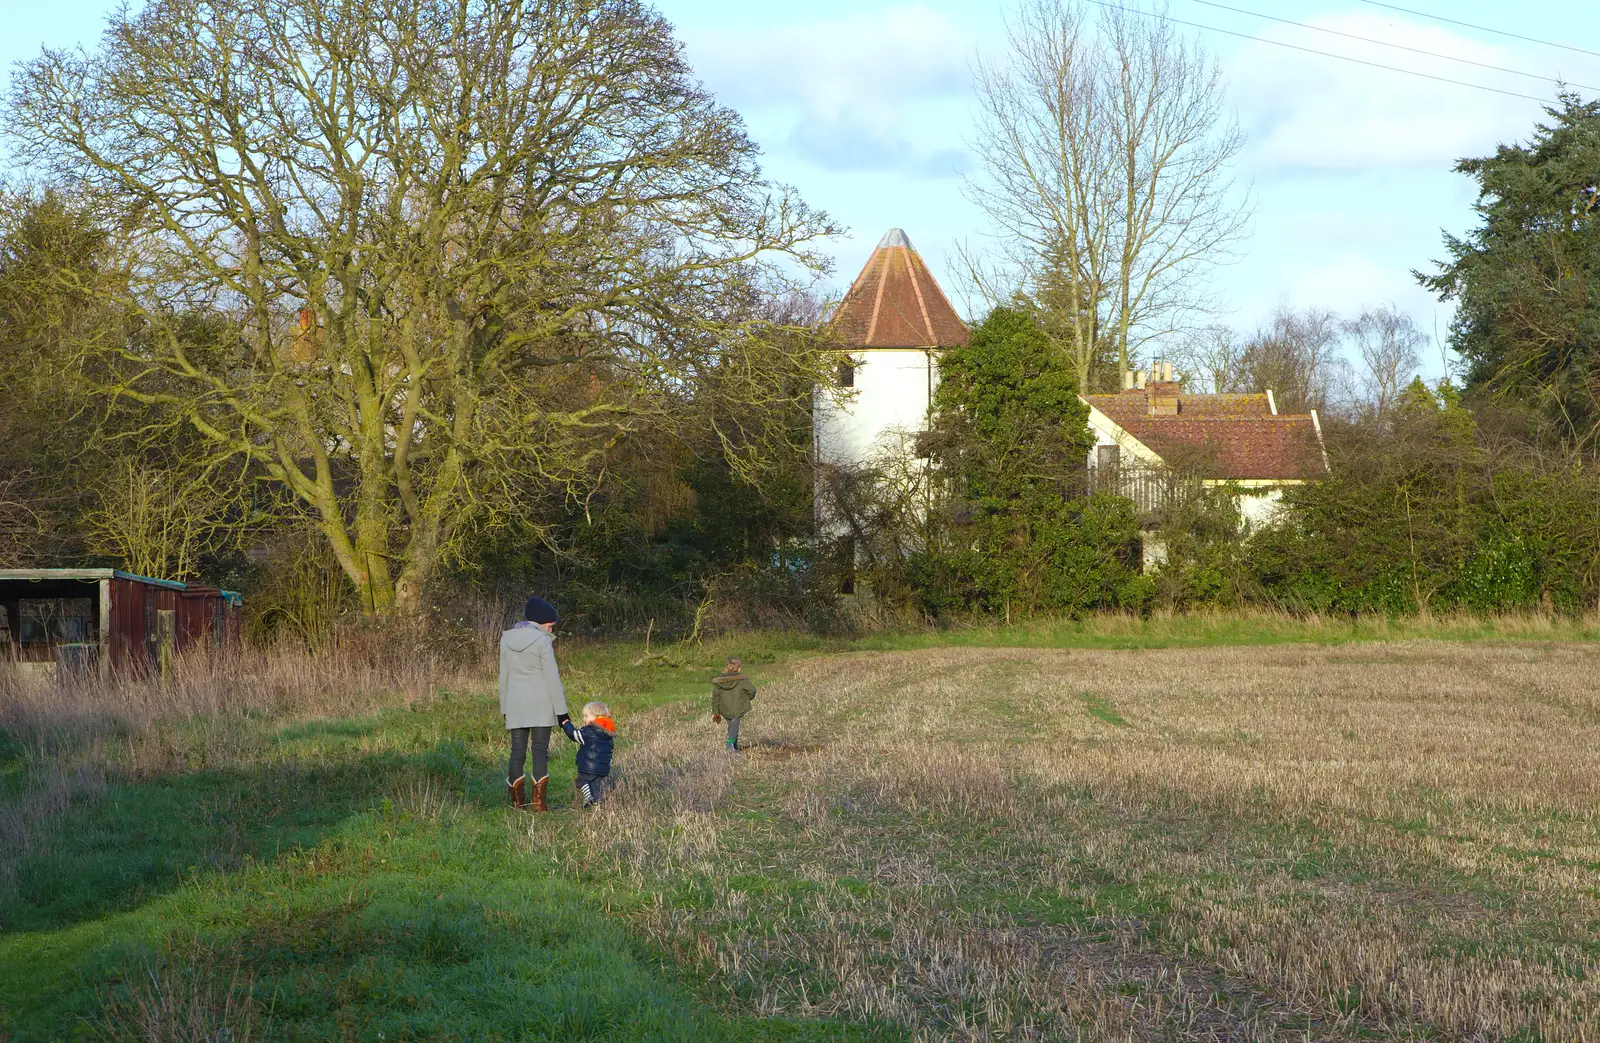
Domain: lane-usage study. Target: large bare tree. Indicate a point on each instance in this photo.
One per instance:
(1104, 153)
(1210, 358)
(442, 248)
(1296, 355)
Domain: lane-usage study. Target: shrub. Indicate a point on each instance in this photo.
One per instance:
(1009, 442)
(1421, 513)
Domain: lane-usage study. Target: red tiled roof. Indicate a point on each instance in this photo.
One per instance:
(1238, 433)
(1134, 403)
(896, 303)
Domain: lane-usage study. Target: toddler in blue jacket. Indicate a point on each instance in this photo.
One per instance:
(594, 741)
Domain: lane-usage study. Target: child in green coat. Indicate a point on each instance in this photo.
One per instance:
(731, 696)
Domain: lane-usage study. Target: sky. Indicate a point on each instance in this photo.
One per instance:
(865, 106)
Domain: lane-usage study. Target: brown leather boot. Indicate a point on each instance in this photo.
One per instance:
(519, 792)
(538, 794)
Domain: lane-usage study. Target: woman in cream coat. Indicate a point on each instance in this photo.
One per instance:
(532, 700)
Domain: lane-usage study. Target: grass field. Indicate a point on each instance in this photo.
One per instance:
(1236, 836)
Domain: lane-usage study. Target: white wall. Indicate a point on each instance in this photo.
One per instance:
(1259, 507)
(892, 391)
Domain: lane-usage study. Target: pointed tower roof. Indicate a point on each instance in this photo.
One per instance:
(895, 303)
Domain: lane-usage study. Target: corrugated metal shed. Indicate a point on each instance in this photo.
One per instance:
(108, 620)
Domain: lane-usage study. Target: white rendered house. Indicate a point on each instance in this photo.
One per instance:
(891, 327)
(1240, 442)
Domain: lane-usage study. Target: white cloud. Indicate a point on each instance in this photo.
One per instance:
(850, 90)
(1308, 111)
(875, 60)
(1347, 283)
(845, 144)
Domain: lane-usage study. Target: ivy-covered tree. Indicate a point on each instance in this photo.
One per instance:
(1010, 441)
(1008, 407)
(1527, 279)
(51, 270)
(85, 476)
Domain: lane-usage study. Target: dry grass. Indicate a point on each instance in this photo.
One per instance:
(340, 680)
(72, 732)
(164, 1001)
(428, 800)
(1291, 842)
(56, 783)
(1254, 625)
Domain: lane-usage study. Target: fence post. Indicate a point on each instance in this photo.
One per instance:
(166, 639)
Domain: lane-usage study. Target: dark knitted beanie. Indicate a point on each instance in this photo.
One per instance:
(538, 610)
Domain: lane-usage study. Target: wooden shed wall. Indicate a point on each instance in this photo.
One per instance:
(126, 614)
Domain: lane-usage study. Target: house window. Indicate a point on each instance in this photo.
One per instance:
(1108, 457)
(847, 374)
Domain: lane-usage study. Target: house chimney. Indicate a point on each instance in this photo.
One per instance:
(1138, 380)
(1162, 397)
(1127, 380)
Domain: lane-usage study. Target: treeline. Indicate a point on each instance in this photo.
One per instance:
(1480, 491)
(1429, 504)
(522, 307)
(461, 338)
(704, 490)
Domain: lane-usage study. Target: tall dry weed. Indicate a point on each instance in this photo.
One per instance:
(342, 678)
(168, 1001)
(75, 729)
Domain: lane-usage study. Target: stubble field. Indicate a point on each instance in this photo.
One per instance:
(1284, 841)
(1392, 841)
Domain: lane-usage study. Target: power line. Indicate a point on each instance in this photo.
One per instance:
(1483, 28)
(1325, 54)
(1396, 46)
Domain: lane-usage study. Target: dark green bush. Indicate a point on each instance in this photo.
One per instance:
(1009, 442)
(1420, 513)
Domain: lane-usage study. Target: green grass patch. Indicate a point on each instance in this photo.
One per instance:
(1099, 708)
(355, 879)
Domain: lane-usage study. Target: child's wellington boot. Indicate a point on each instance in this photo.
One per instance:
(578, 799)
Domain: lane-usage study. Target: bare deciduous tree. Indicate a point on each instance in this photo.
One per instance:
(441, 248)
(52, 301)
(160, 521)
(20, 524)
(1296, 355)
(1388, 346)
(1210, 358)
(1104, 153)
